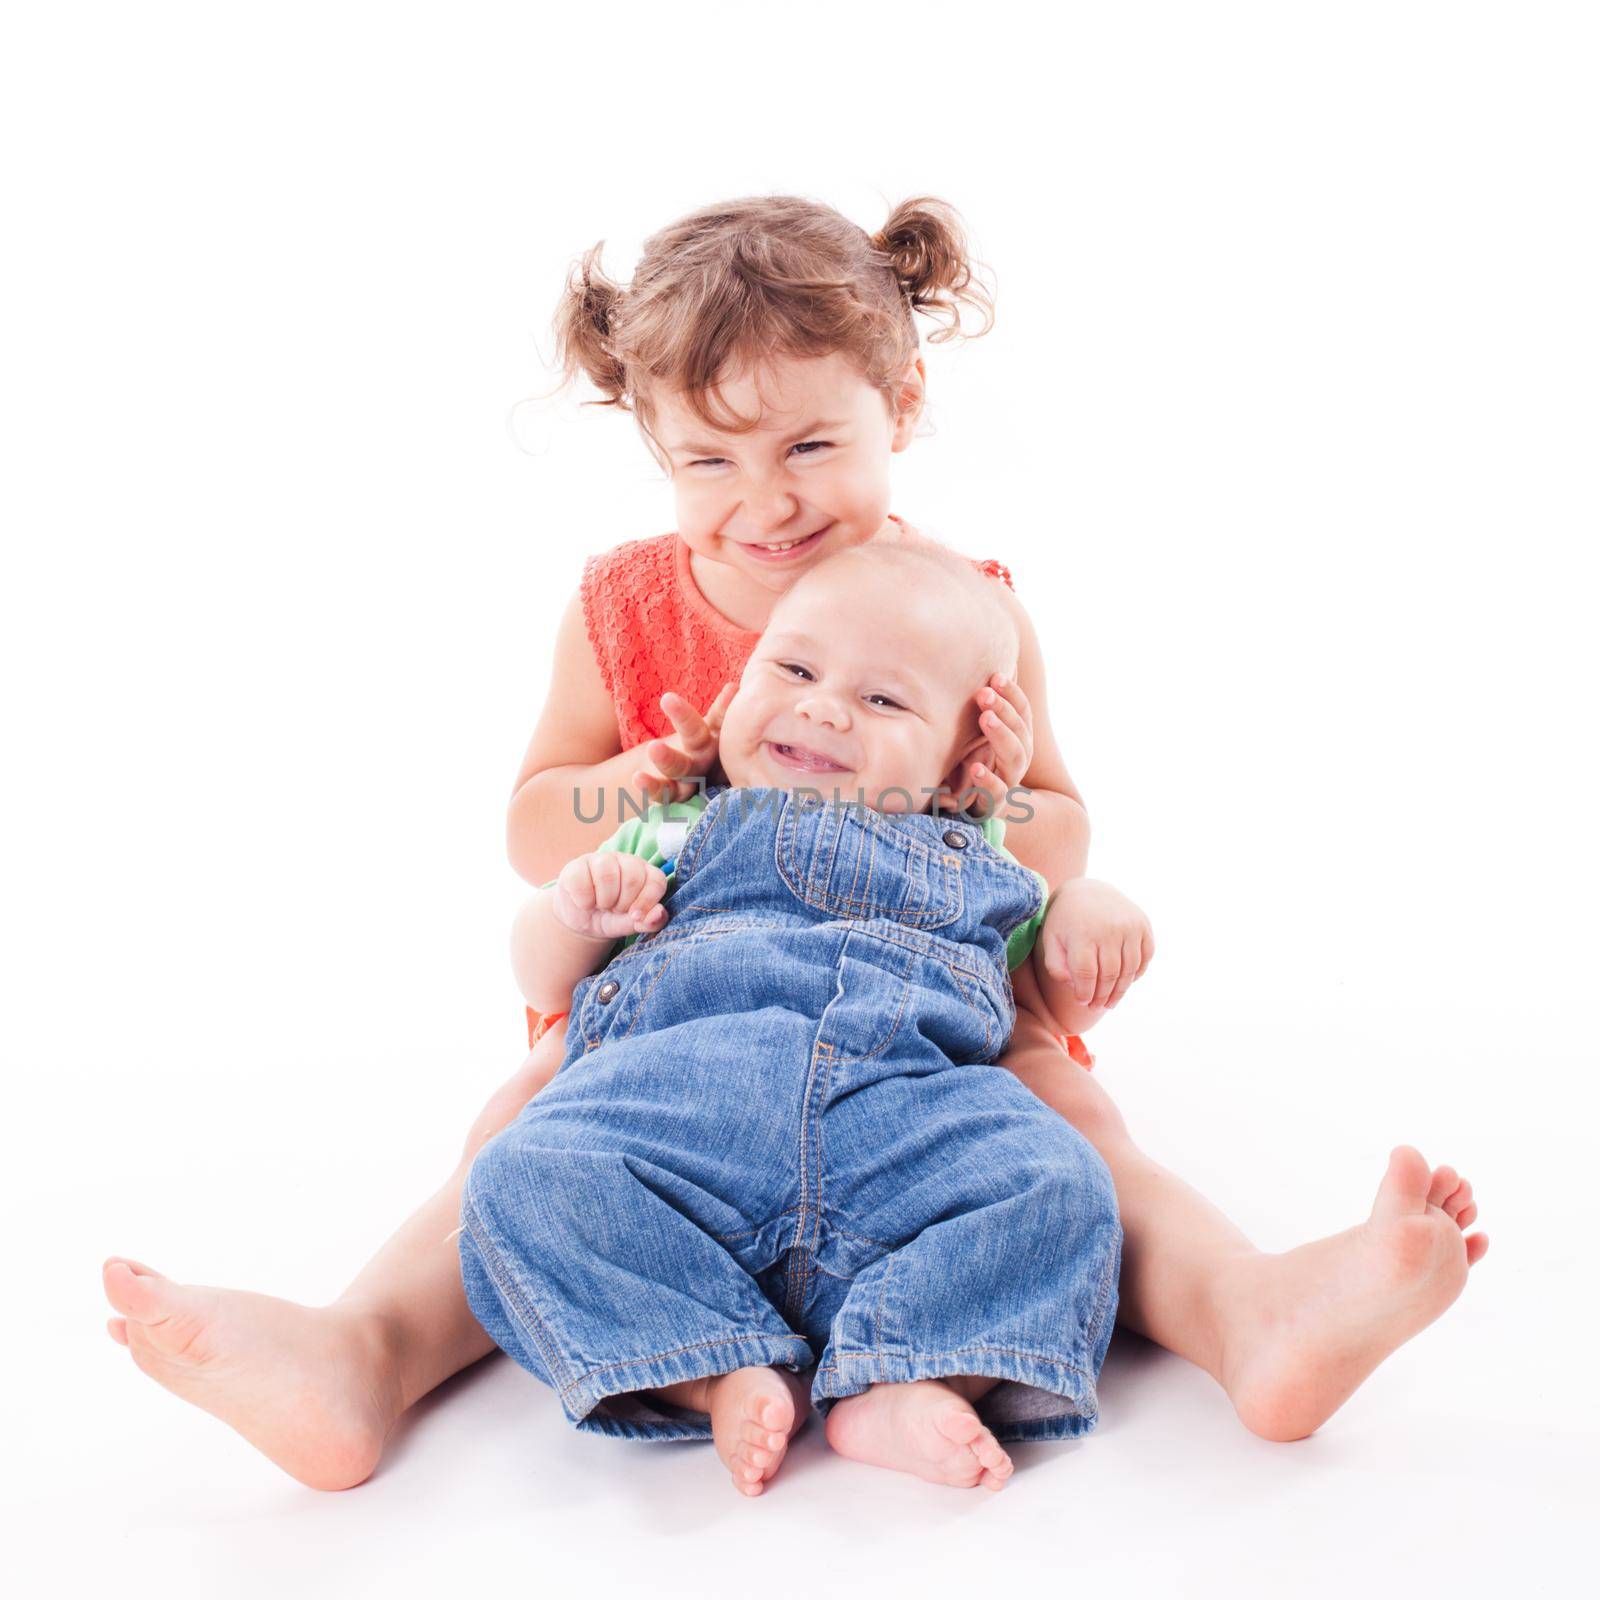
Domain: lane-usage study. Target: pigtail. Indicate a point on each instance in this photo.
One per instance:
(584, 324)
(925, 246)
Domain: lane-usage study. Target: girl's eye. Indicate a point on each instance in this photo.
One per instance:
(807, 445)
(894, 705)
(794, 666)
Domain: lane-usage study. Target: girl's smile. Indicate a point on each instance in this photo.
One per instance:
(787, 550)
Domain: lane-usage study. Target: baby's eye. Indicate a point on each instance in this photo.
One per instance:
(794, 666)
(814, 444)
(883, 699)
(715, 461)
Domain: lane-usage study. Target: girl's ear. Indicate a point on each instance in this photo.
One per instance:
(908, 397)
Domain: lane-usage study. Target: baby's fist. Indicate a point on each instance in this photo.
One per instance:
(607, 894)
(1096, 940)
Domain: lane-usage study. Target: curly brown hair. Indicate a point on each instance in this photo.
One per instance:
(732, 285)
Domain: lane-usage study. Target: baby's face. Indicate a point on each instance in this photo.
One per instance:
(859, 687)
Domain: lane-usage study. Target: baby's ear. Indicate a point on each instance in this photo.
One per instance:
(955, 780)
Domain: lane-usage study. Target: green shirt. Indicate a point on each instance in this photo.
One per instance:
(659, 835)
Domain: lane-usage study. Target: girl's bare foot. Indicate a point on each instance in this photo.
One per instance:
(313, 1389)
(924, 1428)
(1306, 1328)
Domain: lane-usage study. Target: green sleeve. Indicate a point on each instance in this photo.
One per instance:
(1020, 943)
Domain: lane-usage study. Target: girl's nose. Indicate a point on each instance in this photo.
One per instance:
(771, 508)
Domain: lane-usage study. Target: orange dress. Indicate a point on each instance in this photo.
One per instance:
(652, 630)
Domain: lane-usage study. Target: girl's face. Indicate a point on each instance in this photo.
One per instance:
(812, 478)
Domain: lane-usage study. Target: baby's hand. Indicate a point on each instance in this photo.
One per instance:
(1096, 940)
(692, 756)
(608, 894)
(1006, 720)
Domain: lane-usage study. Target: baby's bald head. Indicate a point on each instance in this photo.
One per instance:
(960, 609)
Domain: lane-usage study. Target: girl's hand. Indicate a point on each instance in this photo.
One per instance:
(1095, 940)
(692, 755)
(1006, 721)
(607, 894)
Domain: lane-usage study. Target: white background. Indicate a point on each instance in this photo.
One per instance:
(1287, 429)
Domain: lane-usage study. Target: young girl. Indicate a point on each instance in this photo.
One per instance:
(768, 351)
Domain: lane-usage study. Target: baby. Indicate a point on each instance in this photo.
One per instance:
(777, 1140)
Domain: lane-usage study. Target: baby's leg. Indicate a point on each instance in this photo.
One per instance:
(995, 1283)
(317, 1388)
(1291, 1336)
(600, 1248)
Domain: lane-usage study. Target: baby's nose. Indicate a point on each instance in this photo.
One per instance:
(826, 709)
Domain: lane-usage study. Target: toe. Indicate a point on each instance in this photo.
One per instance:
(136, 1295)
(987, 1449)
(1466, 1216)
(1404, 1190)
(1460, 1200)
(118, 1329)
(959, 1425)
(1445, 1181)
(1477, 1247)
(133, 1266)
(757, 1434)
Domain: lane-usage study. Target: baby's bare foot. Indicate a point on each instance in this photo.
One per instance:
(924, 1428)
(313, 1389)
(755, 1412)
(1309, 1326)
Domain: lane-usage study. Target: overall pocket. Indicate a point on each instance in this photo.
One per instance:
(849, 862)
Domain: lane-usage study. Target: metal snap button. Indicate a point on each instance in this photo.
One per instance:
(956, 839)
(607, 992)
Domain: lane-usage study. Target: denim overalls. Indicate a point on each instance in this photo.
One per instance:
(777, 1138)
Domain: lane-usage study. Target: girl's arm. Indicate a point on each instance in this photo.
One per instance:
(1095, 942)
(574, 747)
(1055, 840)
(547, 957)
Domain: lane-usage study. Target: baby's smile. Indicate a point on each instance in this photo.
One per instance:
(802, 759)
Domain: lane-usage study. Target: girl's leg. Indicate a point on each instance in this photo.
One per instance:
(318, 1388)
(1289, 1337)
